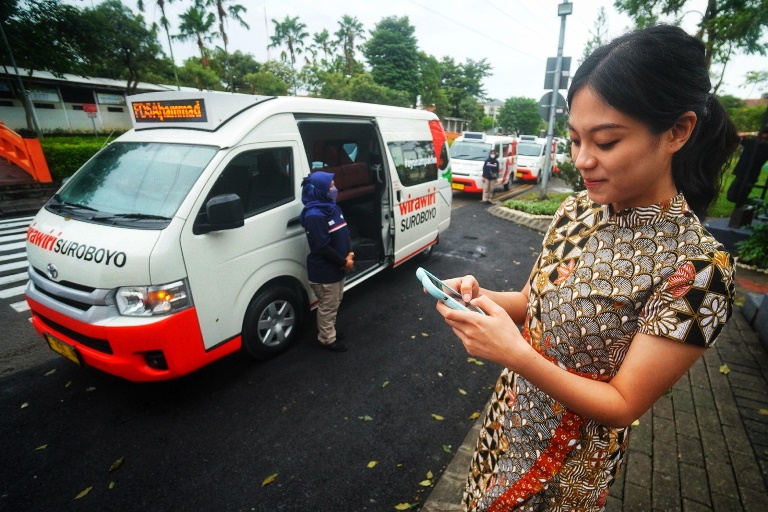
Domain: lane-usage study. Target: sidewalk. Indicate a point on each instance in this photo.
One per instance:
(702, 446)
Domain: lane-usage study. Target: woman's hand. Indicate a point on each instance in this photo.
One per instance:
(493, 336)
(467, 286)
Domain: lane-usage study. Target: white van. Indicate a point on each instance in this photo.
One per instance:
(180, 242)
(531, 156)
(469, 151)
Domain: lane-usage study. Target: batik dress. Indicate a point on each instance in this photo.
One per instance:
(600, 279)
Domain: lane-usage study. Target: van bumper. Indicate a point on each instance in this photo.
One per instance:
(526, 174)
(133, 352)
(465, 184)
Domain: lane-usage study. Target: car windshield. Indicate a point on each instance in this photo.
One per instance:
(133, 182)
(470, 150)
(528, 149)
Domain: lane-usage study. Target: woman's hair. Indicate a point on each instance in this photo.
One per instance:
(655, 75)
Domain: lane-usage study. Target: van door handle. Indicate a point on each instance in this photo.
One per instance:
(294, 222)
(398, 196)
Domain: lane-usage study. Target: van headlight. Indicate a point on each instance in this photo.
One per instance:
(153, 300)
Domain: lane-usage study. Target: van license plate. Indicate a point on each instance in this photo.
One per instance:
(457, 186)
(62, 348)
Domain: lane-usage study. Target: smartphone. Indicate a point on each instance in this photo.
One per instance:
(444, 293)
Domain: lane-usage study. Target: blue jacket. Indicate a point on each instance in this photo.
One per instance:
(326, 229)
(490, 165)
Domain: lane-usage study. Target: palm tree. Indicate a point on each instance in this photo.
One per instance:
(350, 29)
(164, 23)
(322, 42)
(291, 34)
(196, 24)
(235, 11)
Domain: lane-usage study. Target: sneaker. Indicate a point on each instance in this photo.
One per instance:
(336, 346)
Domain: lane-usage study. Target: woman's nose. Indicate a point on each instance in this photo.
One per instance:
(584, 160)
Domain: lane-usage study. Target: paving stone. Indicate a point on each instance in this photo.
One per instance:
(708, 420)
(692, 506)
(666, 491)
(638, 471)
(694, 484)
(749, 394)
(738, 442)
(714, 446)
(698, 374)
(753, 500)
(702, 397)
(663, 407)
(636, 498)
(721, 503)
(614, 504)
(748, 474)
(690, 450)
(682, 399)
(747, 381)
(729, 414)
(721, 479)
(686, 424)
(641, 436)
(665, 451)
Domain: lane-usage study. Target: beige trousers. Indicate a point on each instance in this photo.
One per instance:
(488, 186)
(329, 296)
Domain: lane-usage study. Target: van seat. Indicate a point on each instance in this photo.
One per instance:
(352, 180)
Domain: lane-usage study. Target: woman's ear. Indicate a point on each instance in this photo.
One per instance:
(681, 131)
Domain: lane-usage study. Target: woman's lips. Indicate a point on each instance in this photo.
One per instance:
(592, 183)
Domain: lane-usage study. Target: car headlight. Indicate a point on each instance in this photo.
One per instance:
(153, 300)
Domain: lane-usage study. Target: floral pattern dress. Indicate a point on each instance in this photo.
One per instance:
(600, 279)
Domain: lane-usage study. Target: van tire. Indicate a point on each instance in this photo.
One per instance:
(272, 322)
(507, 184)
(426, 253)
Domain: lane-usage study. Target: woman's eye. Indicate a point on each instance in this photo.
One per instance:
(606, 145)
(576, 143)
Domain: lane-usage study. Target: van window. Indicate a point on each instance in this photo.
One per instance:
(415, 161)
(263, 179)
(529, 149)
(137, 178)
(471, 150)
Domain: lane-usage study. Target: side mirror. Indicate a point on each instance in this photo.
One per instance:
(224, 212)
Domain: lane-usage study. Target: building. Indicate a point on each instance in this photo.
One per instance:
(68, 103)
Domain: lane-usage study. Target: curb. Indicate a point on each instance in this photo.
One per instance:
(538, 223)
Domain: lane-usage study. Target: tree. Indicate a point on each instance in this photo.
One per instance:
(520, 115)
(225, 8)
(196, 24)
(194, 74)
(322, 43)
(392, 52)
(289, 33)
(430, 85)
(164, 23)
(598, 37)
(350, 31)
(121, 45)
(725, 26)
(270, 80)
(463, 86)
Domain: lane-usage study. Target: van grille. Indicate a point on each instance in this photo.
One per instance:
(94, 343)
(69, 302)
(68, 284)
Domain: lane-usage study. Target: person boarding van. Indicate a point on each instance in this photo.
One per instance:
(180, 242)
(468, 154)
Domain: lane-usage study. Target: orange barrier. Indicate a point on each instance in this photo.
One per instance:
(25, 153)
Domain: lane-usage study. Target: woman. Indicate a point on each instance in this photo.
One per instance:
(628, 291)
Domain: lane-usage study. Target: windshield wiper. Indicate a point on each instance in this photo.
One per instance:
(72, 206)
(131, 216)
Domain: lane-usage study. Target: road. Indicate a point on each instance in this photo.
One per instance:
(367, 429)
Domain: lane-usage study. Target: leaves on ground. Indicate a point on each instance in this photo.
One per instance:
(425, 335)
(90, 388)
(25, 405)
(269, 480)
(41, 447)
(725, 370)
(83, 492)
(764, 412)
(68, 384)
(476, 361)
(447, 448)
(439, 374)
(438, 417)
(386, 383)
(50, 372)
(636, 423)
(405, 506)
(462, 391)
(111, 485)
(372, 464)
(116, 465)
(474, 415)
(365, 418)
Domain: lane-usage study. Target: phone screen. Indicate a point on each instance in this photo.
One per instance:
(444, 288)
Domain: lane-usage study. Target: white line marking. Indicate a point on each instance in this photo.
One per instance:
(13, 278)
(11, 292)
(14, 265)
(20, 306)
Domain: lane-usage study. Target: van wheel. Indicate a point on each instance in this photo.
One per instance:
(538, 178)
(272, 322)
(426, 253)
(506, 185)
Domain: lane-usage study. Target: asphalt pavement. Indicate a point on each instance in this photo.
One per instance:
(702, 446)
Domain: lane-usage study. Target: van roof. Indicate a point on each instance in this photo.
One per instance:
(204, 117)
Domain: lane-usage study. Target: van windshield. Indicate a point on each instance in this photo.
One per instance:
(133, 182)
(470, 150)
(528, 149)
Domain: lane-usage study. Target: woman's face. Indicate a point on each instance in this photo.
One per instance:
(623, 164)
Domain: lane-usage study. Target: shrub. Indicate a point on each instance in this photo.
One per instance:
(571, 175)
(66, 154)
(529, 203)
(754, 250)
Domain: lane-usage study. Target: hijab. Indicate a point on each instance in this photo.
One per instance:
(315, 194)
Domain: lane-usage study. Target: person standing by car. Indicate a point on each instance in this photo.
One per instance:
(329, 258)
(490, 175)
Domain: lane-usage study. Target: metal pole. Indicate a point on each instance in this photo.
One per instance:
(25, 98)
(553, 103)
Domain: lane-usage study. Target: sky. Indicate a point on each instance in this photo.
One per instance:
(515, 36)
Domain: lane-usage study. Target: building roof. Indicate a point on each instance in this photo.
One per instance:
(89, 81)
